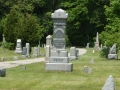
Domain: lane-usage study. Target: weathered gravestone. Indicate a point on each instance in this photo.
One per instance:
(35, 52)
(2, 72)
(58, 59)
(73, 53)
(19, 46)
(15, 57)
(24, 52)
(92, 60)
(85, 69)
(96, 46)
(90, 71)
(112, 52)
(109, 84)
(87, 46)
(28, 49)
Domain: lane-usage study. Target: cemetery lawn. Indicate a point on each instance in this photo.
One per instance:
(36, 78)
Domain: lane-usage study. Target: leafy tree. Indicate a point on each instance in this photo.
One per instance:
(112, 29)
(13, 24)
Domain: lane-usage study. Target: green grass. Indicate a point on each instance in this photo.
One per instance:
(36, 78)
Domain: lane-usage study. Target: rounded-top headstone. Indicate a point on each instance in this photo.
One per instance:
(60, 13)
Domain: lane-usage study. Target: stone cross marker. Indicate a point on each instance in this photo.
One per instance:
(19, 46)
(58, 59)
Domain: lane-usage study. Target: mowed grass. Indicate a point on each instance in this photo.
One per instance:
(36, 78)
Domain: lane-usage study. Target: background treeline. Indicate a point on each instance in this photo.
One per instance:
(31, 20)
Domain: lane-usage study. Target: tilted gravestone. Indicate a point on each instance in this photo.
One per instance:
(112, 52)
(35, 52)
(58, 59)
(109, 84)
(19, 46)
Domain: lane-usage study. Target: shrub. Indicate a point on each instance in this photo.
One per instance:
(104, 52)
(7, 45)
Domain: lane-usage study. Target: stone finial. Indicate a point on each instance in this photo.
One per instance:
(60, 13)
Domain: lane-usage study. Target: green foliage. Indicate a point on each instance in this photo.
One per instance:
(112, 29)
(104, 52)
(86, 17)
(13, 24)
(7, 45)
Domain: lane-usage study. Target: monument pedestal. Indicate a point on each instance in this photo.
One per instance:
(59, 66)
(112, 56)
(18, 51)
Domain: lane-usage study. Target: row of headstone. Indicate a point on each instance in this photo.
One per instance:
(26, 50)
(109, 84)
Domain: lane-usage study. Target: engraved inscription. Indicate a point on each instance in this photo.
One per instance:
(59, 38)
(58, 60)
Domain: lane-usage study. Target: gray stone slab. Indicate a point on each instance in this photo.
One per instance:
(59, 66)
(85, 69)
(90, 71)
(15, 57)
(2, 72)
(112, 56)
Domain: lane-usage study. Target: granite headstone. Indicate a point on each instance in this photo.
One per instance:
(58, 59)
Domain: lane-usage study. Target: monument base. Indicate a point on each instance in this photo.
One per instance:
(18, 51)
(59, 66)
(73, 58)
(58, 60)
(112, 56)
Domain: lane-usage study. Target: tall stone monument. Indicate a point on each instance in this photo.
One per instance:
(96, 46)
(58, 59)
(19, 46)
(3, 38)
